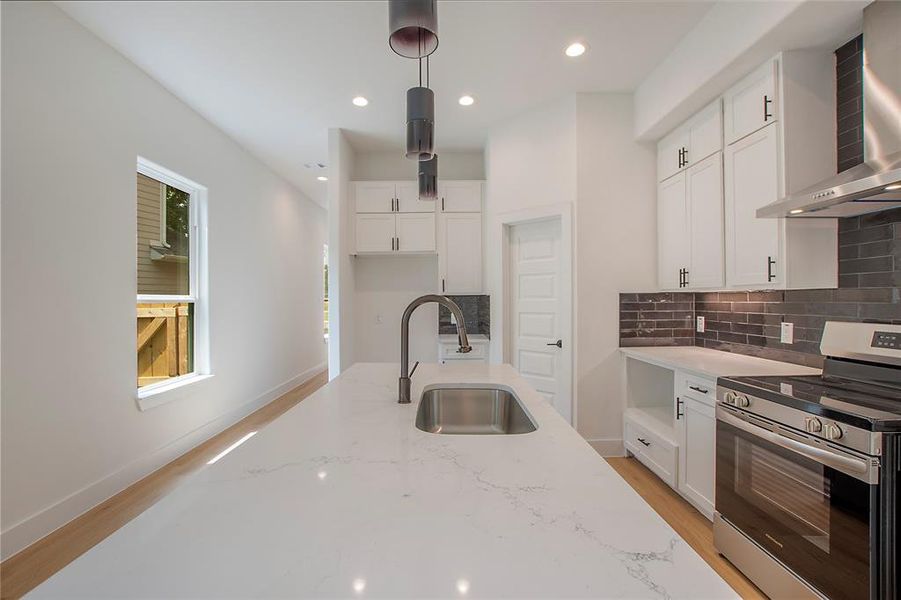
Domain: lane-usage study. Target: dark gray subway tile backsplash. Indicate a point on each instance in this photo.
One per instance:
(476, 311)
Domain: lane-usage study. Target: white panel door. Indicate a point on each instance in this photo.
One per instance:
(374, 196)
(697, 454)
(704, 182)
(538, 305)
(415, 232)
(672, 232)
(408, 198)
(461, 253)
(751, 181)
(751, 103)
(375, 233)
(460, 196)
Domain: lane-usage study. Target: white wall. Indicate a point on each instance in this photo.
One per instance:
(616, 251)
(341, 265)
(388, 166)
(76, 114)
(385, 285)
(580, 151)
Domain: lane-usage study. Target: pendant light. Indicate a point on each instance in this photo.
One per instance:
(420, 123)
(428, 177)
(413, 27)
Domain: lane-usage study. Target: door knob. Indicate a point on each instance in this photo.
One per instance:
(558, 343)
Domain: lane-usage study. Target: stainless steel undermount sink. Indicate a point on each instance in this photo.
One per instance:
(488, 410)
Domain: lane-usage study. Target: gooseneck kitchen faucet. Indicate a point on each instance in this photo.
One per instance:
(404, 383)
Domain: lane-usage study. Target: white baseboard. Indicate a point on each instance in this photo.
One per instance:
(608, 447)
(29, 530)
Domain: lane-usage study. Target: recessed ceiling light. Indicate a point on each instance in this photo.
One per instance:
(893, 187)
(360, 101)
(796, 211)
(466, 100)
(322, 178)
(576, 49)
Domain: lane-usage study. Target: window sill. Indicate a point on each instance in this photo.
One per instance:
(162, 393)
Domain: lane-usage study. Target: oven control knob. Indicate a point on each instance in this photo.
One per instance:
(813, 425)
(742, 401)
(729, 398)
(833, 431)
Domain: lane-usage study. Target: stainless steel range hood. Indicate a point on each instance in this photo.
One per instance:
(875, 184)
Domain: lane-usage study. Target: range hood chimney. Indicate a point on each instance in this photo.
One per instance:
(875, 184)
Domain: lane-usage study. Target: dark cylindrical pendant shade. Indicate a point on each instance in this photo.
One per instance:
(420, 123)
(413, 27)
(428, 177)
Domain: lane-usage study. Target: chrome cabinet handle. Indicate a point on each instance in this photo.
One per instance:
(766, 105)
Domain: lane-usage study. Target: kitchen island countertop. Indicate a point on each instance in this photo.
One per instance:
(342, 496)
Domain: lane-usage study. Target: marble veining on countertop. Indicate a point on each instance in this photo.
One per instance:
(343, 497)
(707, 362)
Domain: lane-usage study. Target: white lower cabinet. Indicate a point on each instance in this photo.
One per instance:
(696, 433)
(653, 450)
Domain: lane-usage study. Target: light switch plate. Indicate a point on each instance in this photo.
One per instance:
(788, 333)
(701, 325)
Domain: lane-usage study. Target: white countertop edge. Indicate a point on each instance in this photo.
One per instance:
(707, 362)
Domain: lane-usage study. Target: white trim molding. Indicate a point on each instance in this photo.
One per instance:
(29, 530)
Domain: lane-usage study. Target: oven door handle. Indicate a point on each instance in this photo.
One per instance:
(855, 467)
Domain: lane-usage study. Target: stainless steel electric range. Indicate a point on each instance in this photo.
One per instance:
(808, 471)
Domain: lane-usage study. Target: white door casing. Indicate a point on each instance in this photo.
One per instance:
(539, 307)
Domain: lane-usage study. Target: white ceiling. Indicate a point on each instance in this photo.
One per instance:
(277, 75)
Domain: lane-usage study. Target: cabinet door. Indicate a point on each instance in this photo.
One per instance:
(751, 103)
(671, 152)
(408, 200)
(672, 231)
(375, 233)
(374, 196)
(415, 232)
(751, 181)
(461, 253)
(704, 182)
(461, 196)
(705, 133)
(697, 454)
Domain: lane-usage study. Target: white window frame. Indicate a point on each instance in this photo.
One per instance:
(163, 392)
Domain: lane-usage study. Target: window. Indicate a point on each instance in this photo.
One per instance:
(171, 275)
(325, 290)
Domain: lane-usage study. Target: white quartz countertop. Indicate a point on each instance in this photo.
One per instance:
(706, 362)
(343, 497)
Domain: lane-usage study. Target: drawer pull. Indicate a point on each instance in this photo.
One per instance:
(698, 389)
(679, 413)
(644, 441)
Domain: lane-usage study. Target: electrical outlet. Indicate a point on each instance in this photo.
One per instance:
(788, 333)
(453, 319)
(378, 319)
(701, 324)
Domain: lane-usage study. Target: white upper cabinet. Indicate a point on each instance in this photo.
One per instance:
(408, 200)
(460, 253)
(698, 138)
(752, 103)
(374, 196)
(704, 190)
(751, 181)
(460, 196)
(375, 233)
(415, 232)
(672, 229)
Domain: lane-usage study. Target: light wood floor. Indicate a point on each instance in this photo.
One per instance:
(685, 519)
(23, 572)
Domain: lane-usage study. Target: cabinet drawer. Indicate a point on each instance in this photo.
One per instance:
(449, 351)
(654, 452)
(699, 388)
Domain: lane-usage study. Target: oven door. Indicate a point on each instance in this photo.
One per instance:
(811, 505)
